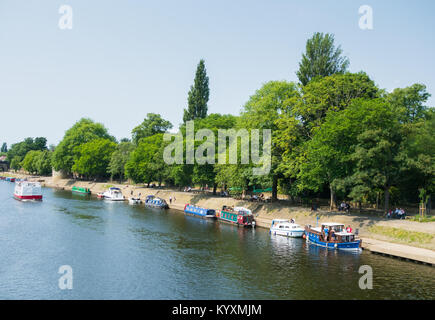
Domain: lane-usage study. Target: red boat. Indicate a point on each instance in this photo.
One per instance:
(28, 191)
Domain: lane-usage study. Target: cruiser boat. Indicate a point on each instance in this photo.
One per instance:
(133, 200)
(154, 202)
(113, 194)
(240, 216)
(28, 191)
(286, 228)
(332, 235)
(199, 212)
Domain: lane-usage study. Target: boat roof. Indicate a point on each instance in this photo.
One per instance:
(280, 220)
(344, 233)
(114, 188)
(332, 224)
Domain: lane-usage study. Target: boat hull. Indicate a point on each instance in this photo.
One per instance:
(288, 233)
(199, 212)
(314, 239)
(28, 198)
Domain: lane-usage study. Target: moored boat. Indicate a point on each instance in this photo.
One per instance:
(332, 235)
(28, 191)
(284, 227)
(240, 216)
(81, 190)
(199, 212)
(133, 200)
(113, 194)
(155, 202)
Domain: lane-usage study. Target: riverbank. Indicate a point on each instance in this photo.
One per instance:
(419, 248)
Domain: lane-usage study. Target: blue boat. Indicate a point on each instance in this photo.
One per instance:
(199, 212)
(332, 236)
(154, 202)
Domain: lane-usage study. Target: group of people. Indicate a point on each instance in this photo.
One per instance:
(259, 198)
(170, 199)
(399, 213)
(329, 234)
(344, 206)
(187, 189)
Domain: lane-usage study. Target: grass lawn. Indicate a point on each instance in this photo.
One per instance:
(402, 235)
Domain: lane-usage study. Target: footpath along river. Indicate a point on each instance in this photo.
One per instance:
(118, 251)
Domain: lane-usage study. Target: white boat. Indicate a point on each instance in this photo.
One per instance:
(134, 200)
(284, 227)
(113, 194)
(28, 191)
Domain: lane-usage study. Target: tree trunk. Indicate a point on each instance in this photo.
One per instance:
(387, 199)
(275, 188)
(332, 205)
(214, 189)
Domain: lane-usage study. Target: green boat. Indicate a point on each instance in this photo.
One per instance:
(81, 190)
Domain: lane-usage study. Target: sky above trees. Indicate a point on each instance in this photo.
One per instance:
(126, 59)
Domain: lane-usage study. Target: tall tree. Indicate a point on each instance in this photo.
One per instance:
(119, 158)
(321, 58)
(410, 101)
(263, 110)
(83, 131)
(93, 157)
(4, 147)
(151, 125)
(198, 95)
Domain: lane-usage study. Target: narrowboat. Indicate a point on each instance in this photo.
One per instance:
(154, 202)
(332, 236)
(81, 190)
(284, 227)
(113, 194)
(199, 212)
(240, 216)
(10, 179)
(28, 191)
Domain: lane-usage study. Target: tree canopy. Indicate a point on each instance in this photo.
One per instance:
(321, 58)
(198, 95)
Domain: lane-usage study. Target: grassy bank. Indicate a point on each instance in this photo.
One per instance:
(402, 235)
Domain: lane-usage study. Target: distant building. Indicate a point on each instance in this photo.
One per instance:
(3, 158)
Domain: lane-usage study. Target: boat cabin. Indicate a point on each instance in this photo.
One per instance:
(335, 232)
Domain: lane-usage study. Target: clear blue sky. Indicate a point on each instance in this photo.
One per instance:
(123, 59)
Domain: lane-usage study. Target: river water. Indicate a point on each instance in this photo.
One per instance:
(118, 251)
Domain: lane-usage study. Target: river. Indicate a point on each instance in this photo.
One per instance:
(118, 251)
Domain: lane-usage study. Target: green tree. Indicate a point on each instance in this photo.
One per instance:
(43, 163)
(198, 95)
(151, 125)
(145, 161)
(67, 151)
(119, 158)
(332, 93)
(4, 147)
(410, 101)
(16, 163)
(263, 111)
(321, 58)
(93, 158)
(29, 161)
(37, 162)
(20, 149)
